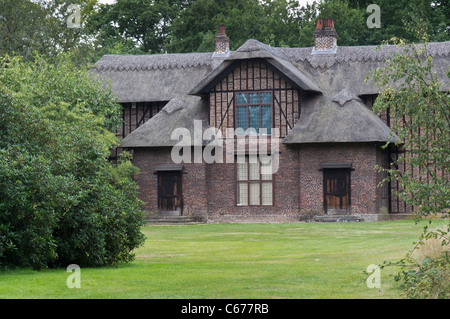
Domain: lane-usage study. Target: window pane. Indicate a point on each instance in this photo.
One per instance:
(242, 171)
(254, 194)
(267, 194)
(266, 98)
(253, 118)
(266, 171)
(266, 117)
(242, 189)
(254, 171)
(241, 117)
(253, 98)
(241, 98)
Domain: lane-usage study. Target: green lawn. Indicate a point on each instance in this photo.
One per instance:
(300, 260)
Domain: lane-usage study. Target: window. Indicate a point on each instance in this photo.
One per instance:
(254, 110)
(254, 182)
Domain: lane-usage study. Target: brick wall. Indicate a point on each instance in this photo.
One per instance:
(365, 196)
(209, 190)
(193, 181)
(222, 192)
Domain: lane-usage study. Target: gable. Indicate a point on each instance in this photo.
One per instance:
(252, 50)
(254, 75)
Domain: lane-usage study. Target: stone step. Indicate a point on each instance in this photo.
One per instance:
(168, 219)
(169, 213)
(337, 218)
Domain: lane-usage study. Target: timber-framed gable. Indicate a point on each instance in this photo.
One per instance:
(254, 76)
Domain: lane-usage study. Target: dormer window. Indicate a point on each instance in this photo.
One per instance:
(254, 110)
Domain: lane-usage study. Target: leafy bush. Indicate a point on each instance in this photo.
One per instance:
(429, 276)
(61, 201)
(430, 279)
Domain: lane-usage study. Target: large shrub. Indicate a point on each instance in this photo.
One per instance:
(61, 201)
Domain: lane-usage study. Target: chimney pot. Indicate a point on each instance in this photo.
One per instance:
(222, 29)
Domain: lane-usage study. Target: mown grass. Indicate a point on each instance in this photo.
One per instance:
(300, 260)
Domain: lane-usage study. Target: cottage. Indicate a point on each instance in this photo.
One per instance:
(293, 133)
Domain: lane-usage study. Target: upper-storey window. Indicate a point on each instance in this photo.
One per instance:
(254, 110)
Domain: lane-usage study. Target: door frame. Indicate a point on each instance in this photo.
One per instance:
(176, 171)
(342, 168)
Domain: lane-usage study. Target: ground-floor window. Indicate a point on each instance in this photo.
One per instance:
(254, 182)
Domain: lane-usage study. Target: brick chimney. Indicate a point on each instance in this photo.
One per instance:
(325, 36)
(222, 42)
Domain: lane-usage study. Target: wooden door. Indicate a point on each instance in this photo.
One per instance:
(169, 191)
(336, 190)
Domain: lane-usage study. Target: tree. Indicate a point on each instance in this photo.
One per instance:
(398, 16)
(275, 22)
(42, 26)
(19, 27)
(62, 202)
(350, 23)
(195, 28)
(139, 26)
(419, 109)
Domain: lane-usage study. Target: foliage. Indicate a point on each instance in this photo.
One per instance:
(62, 202)
(63, 92)
(148, 26)
(137, 25)
(194, 30)
(28, 26)
(430, 280)
(289, 23)
(411, 94)
(427, 278)
(397, 18)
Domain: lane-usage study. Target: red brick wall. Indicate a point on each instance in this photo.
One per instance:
(222, 192)
(364, 192)
(209, 190)
(193, 180)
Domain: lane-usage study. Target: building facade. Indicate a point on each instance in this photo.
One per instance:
(259, 134)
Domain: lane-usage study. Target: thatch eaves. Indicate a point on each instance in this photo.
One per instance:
(161, 77)
(343, 118)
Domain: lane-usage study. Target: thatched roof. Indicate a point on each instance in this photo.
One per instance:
(160, 77)
(348, 67)
(156, 77)
(337, 78)
(341, 118)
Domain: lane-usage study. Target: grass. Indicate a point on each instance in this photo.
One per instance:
(300, 260)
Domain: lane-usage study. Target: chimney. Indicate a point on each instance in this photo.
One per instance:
(222, 42)
(325, 36)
